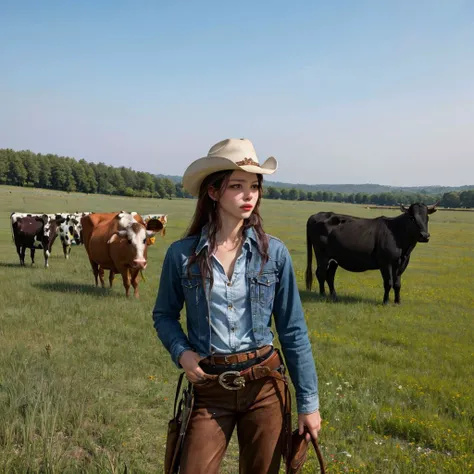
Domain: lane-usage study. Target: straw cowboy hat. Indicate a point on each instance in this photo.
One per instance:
(229, 154)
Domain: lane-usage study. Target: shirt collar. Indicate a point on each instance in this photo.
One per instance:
(250, 236)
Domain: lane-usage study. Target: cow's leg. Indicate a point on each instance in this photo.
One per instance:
(387, 276)
(95, 271)
(111, 278)
(22, 255)
(397, 284)
(126, 281)
(46, 257)
(321, 267)
(32, 255)
(101, 276)
(135, 282)
(68, 251)
(18, 251)
(330, 274)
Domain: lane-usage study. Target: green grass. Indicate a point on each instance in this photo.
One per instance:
(86, 387)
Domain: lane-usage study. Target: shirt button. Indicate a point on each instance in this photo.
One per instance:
(229, 283)
(230, 306)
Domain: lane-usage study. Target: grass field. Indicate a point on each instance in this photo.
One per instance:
(85, 386)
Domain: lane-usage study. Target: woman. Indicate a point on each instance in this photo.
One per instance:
(232, 278)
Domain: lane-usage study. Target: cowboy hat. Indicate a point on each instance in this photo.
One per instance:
(229, 154)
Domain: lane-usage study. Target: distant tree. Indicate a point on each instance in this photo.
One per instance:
(30, 162)
(451, 199)
(4, 166)
(284, 194)
(293, 194)
(467, 198)
(170, 187)
(16, 173)
(160, 187)
(117, 180)
(273, 193)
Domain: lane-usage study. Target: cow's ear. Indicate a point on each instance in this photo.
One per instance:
(113, 238)
(154, 224)
(117, 235)
(403, 208)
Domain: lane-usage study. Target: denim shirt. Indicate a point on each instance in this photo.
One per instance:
(229, 302)
(273, 290)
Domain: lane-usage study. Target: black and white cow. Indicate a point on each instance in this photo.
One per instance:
(34, 232)
(70, 233)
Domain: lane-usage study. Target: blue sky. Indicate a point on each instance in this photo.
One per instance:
(338, 91)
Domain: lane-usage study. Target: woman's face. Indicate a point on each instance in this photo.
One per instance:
(240, 197)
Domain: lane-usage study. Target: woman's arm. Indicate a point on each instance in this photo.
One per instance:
(166, 313)
(293, 334)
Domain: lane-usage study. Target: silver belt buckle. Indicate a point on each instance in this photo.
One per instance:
(237, 383)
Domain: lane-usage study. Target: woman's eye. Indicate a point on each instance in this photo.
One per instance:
(235, 186)
(255, 186)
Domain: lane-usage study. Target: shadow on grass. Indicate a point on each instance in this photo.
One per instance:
(17, 265)
(313, 296)
(64, 287)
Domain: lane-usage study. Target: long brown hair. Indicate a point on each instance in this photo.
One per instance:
(207, 213)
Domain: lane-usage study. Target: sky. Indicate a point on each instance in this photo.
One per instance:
(339, 91)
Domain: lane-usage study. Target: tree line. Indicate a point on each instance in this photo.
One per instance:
(48, 171)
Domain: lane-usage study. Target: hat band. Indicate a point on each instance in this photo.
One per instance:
(247, 161)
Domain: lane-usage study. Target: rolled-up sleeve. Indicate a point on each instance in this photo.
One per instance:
(293, 334)
(166, 312)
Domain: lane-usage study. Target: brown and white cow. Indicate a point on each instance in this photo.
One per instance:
(116, 242)
(34, 232)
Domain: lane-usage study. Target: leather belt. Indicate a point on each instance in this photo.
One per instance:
(235, 380)
(238, 358)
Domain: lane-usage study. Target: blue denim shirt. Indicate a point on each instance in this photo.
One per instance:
(273, 290)
(229, 302)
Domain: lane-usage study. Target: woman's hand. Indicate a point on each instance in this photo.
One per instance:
(312, 422)
(190, 362)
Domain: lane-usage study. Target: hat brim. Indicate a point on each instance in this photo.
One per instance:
(199, 169)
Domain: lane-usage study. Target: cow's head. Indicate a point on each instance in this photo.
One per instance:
(132, 237)
(419, 215)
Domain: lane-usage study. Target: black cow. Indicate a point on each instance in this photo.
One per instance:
(34, 232)
(358, 245)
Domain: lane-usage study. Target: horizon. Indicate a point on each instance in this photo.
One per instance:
(345, 93)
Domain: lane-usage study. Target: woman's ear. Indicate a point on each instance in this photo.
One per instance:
(213, 193)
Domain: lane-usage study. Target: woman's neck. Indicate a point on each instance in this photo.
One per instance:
(230, 231)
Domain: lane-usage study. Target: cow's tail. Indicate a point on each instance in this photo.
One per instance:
(309, 259)
(11, 227)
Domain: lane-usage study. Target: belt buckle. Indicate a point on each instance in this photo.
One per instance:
(237, 383)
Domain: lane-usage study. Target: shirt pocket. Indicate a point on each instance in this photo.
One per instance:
(263, 288)
(192, 288)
